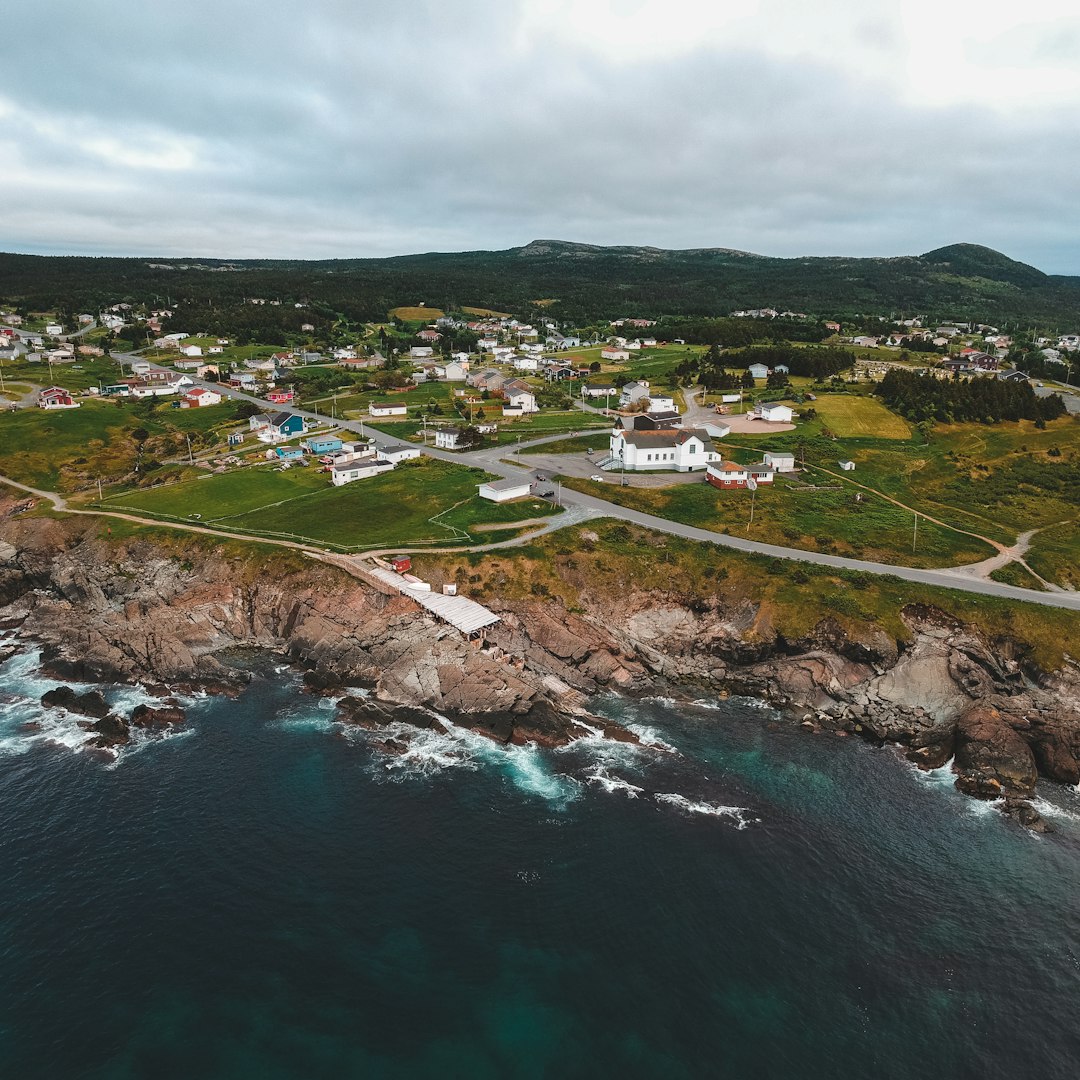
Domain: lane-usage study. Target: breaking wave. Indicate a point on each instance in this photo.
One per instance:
(739, 814)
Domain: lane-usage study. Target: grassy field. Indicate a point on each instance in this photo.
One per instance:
(1055, 554)
(813, 519)
(486, 313)
(72, 449)
(511, 431)
(1015, 574)
(850, 416)
(216, 497)
(420, 502)
(577, 445)
(418, 313)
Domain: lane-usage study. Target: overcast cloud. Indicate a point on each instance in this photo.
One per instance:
(344, 129)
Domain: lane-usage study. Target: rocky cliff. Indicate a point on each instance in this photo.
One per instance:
(165, 610)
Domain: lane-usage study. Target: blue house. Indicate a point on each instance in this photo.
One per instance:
(287, 424)
(323, 444)
(289, 453)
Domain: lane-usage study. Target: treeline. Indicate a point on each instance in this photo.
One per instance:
(819, 363)
(734, 333)
(982, 401)
(586, 283)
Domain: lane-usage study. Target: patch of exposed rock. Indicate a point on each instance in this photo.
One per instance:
(138, 611)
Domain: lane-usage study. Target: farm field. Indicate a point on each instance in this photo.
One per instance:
(416, 313)
(815, 519)
(420, 502)
(856, 416)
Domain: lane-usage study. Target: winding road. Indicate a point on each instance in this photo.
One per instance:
(592, 506)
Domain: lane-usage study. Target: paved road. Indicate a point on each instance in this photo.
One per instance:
(492, 460)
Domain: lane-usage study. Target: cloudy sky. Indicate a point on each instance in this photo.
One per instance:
(378, 127)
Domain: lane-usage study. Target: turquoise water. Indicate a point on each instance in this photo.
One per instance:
(266, 896)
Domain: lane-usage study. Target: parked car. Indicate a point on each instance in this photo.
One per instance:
(597, 477)
(547, 494)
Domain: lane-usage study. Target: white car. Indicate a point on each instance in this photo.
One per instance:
(597, 477)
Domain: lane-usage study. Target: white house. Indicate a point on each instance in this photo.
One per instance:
(54, 329)
(454, 371)
(153, 389)
(759, 371)
(504, 490)
(388, 408)
(359, 469)
(421, 352)
(526, 363)
(198, 397)
(632, 392)
(772, 412)
(662, 403)
(397, 454)
(518, 396)
(780, 462)
(448, 438)
(192, 350)
(614, 352)
(687, 450)
(599, 390)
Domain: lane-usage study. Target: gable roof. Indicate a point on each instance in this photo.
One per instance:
(657, 440)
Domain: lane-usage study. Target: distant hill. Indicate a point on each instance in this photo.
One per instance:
(586, 281)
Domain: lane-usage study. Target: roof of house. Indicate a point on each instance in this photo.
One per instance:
(505, 485)
(387, 405)
(654, 440)
(772, 406)
(279, 418)
(518, 386)
(729, 467)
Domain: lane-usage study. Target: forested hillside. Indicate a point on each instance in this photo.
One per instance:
(577, 283)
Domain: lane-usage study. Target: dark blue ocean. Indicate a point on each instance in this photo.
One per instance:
(266, 896)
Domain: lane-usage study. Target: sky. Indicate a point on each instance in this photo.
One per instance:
(356, 128)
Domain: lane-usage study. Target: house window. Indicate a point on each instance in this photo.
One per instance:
(693, 449)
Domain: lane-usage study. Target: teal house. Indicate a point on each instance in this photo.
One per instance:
(323, 444)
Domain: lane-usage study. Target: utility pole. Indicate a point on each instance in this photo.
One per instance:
(915, 532)
(99, 489)
(191, 459)
(751, 483)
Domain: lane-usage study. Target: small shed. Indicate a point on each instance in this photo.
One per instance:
(401, 563)
(289, 453)
(847, 466)
(759, 371)
(504, 490)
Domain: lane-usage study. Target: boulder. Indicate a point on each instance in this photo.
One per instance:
(991, 758)
(148, 716)
(92, 703)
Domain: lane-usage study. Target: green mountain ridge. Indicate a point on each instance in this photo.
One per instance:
(587, 281)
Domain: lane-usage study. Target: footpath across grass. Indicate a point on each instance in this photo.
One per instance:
(420, 502)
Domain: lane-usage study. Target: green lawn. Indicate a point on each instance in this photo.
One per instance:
(822, 519)
(511, 431)
(395, 509)
(851, 416)
(577, 445)
(215, 497)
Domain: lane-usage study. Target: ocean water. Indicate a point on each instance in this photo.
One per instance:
(268, 896)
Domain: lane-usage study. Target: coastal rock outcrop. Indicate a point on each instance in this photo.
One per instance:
(169, 612)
